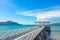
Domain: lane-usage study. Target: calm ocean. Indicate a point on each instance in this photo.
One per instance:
(8, 31)
(3, 28)
(55, 32)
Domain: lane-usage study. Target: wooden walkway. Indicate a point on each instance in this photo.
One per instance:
(38, 33)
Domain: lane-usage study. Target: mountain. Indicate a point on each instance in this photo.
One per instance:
(9, 23)
(55, 24)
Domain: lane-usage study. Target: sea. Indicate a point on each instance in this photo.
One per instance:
(55, 30)
(12, 27)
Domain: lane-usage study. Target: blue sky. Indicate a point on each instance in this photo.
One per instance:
(27, 11)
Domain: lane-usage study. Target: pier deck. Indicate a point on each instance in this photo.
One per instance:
(37, 33)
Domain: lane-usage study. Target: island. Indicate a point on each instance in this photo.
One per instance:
(9, 23)
(55, 24)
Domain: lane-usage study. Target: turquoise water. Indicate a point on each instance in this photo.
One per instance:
(8, 31)
(11, 27)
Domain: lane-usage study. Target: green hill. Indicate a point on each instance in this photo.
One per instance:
(55, 24)
(9, 23)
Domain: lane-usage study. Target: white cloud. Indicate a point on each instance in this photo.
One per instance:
(48, 14)
(29, 13)
(25, 13)
(44, 13)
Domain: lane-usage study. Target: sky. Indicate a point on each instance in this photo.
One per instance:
(28, 11)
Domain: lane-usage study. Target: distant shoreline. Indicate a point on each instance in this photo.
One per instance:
(55, 24)
(9, 23)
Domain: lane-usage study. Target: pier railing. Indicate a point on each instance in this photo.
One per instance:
(30, 35)
(36, 33)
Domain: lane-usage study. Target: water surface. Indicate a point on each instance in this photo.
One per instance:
(11, 27)
(55, 32)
